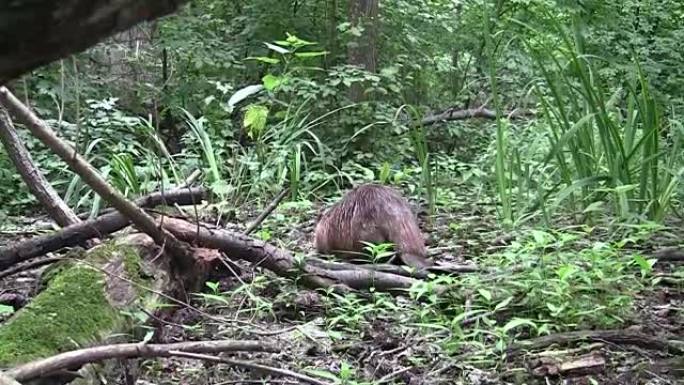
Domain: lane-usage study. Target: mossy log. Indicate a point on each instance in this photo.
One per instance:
(85, 300)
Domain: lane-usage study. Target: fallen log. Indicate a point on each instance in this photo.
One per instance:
(85, 300)
(95, 228)
(395, 269)
(283, 263)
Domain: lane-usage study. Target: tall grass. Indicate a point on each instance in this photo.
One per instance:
(502, 182)
(607, 143)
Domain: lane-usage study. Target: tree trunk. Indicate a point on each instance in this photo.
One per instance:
(362, 50)
(36, 32)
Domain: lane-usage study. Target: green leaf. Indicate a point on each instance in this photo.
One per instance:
(516, 322)
(265, 59)
(486, 294)
(244, 93)
(503, 303)
(311, 54)
(255, 119)
(271, 82)
(4, 309)
(323, 374)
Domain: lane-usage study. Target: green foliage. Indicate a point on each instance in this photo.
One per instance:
(257, 96)
(548, 283)
(606, 144)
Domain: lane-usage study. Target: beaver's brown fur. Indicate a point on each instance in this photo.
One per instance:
(371, 213)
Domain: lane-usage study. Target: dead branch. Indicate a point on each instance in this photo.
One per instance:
(28, 266)
(78, 358)
(251, 365)
(182, 196)
(394, 269)
(267, 211)
(60, 29)
(620, 337)
(32, 177)
(183, 261)
(282, 262)
(669, 254)
(588, 364)
(95, 228)
(470, 113)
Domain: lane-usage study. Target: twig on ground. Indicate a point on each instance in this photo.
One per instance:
(250, 365)
(267, 211)
(77, 358)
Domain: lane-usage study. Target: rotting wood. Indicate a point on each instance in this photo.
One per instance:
(111, 279)
(591, 363)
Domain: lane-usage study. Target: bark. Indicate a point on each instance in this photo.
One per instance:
(362, 50)
(33, 178)
(77, 358)
(179, 251)
(96, 228)
(36, 32)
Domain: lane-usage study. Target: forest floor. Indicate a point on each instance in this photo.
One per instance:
(401, 340)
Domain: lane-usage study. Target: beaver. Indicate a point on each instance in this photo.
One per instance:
(371, 213)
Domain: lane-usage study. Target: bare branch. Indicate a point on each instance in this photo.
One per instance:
(470, 113)
(182, 258)
(77, 358)
(251, 365)
(267, 211)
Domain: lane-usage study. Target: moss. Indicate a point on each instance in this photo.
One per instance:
(131, 259)
(72, 311)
